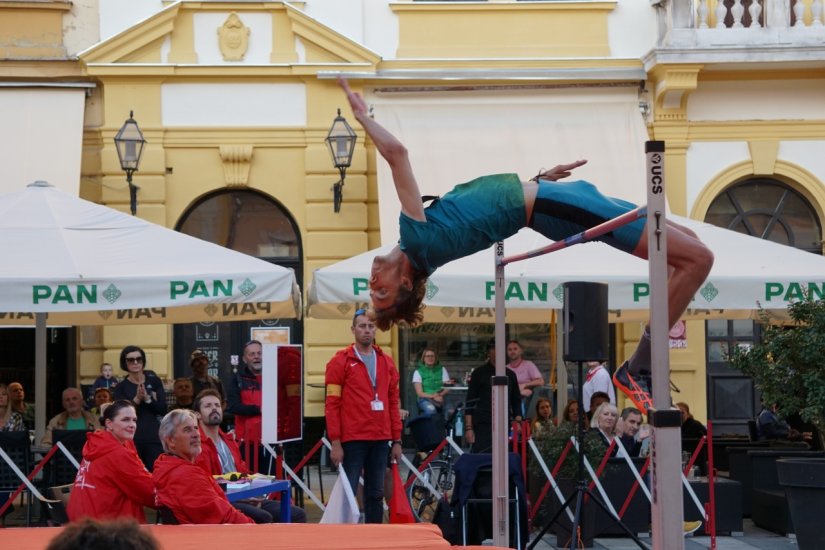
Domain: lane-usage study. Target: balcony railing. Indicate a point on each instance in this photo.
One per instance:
(742, 23)
(755, 14)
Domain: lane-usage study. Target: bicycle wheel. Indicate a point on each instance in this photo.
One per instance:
(422, 500)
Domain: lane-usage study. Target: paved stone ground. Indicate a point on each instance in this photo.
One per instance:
(753, 537)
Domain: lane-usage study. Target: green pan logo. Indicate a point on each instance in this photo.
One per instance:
(112, 294)
(709, 292)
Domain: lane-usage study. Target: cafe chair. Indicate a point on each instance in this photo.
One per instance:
(17, 446)
(59, 470)
(473, 497)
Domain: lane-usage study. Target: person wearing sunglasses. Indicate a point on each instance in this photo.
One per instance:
(363, 413)
(143, 388)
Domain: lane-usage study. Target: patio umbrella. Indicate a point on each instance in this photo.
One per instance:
(748, 273)
(68, 261)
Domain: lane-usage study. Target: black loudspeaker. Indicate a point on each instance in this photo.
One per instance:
(585, 321)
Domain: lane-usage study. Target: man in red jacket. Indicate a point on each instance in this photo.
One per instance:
(183, 487)
(363, 413)
(220, 455)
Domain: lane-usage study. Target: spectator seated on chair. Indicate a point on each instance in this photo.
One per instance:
(102, 396)
(17, 395)
(543, 424)
(183, 392)
(73, 416)
(220, 454)
(691, 428)
(473, 479)
(771, 426)
(527, 373)
(596, 400)
(112, 481)
(10, 421)
(185, 488)
(628, 428)
(429, 380)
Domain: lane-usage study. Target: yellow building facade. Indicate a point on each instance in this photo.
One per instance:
(240, 96)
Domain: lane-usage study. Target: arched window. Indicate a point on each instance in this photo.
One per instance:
(768, 209)
(245, 221)
(250, 222)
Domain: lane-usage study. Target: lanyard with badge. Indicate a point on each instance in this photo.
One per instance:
(376, 404)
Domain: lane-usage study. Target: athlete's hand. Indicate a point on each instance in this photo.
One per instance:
(356, 102)
(561, 170)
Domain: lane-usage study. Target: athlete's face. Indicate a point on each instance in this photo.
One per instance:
(387, 277)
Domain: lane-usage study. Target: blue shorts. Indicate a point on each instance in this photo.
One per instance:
(564, 209)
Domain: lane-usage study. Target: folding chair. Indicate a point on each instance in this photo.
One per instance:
(17, 446)
(60, 470)
(473, 494)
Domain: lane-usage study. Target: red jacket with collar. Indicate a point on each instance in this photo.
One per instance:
(244, 399)
(111, 482)
(209, 459)
(350, 393)
(191, 494)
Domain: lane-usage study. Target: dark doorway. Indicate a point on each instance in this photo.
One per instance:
(61, 364)
(252, 223)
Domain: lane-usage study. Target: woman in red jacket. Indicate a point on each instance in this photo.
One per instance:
(112, 481)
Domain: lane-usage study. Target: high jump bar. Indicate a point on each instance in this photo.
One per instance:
(583, 237)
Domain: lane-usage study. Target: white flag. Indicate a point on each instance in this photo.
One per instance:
(342, 506)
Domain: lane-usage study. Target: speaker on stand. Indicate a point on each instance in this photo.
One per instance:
(585, 338)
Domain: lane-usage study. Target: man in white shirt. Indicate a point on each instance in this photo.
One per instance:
(596, 379)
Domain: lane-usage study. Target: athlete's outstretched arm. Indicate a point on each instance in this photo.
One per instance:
(393, 152)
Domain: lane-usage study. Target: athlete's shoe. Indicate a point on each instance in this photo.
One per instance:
(690, 527)
(640, 397)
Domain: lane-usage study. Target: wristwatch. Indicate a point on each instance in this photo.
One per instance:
(397, 442)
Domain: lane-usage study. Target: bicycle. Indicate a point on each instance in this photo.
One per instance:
(437, 478)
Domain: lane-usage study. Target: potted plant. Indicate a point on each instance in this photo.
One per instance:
(788, 368)
(550, 447)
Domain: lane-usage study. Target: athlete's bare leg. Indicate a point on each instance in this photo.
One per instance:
(689, 262)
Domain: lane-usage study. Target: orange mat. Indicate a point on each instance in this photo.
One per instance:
(419, 536)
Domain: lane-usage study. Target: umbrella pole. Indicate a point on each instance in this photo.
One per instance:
(501, 536)
(40, 375)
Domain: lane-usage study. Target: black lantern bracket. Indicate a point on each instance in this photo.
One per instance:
(341, 142)
(129, 143)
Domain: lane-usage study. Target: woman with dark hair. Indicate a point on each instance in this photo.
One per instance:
(112, 481)
(543, 424)
(143, 388)
(570, 414)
